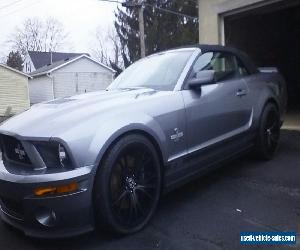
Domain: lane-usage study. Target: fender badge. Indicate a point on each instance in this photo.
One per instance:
(175, 137)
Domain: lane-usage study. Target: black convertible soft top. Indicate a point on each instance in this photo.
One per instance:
(219, 48)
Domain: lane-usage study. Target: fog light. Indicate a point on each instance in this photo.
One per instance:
(46, 217)
(68, 188)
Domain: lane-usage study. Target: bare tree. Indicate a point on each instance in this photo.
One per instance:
(108, 48)
(100, 51)
(37, 35)
(3, 58)
(54, 35)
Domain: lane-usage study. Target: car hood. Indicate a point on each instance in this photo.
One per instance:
(51, 118)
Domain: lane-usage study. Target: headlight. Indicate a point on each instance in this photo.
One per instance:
(62, 155)
(53, 154)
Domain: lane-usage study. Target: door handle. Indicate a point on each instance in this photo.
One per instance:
(241, 92)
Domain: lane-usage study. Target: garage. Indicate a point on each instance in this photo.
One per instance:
(270, 34)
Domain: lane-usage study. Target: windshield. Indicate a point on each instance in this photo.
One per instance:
(158, 72)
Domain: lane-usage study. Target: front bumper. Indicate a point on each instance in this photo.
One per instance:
(50, 216)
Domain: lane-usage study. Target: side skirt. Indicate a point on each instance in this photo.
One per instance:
(193, 166)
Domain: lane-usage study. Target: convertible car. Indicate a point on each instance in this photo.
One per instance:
(105, 158)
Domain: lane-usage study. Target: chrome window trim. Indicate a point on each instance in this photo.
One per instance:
(186, 69)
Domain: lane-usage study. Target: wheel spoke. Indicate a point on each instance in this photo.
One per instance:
(146, 193)
(147, 180)
(145, 187)
(132, 208)
(139, 168)
(139, 205)
(135, 203)
(268, 138)
(274, 138)
(146, 162)
(127, 163)
(142, 157)
(122, 163)
(271, 128)
(120, 198)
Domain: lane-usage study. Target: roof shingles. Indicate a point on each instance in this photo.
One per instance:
(49, 67)
(41, 59)
(59, 64)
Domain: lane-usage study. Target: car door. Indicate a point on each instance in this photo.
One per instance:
(217, 111)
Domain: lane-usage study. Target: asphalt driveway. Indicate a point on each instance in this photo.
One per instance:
(209, 213)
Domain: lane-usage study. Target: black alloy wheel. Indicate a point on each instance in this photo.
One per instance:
(130, 185)
(272, 131)
(269, 132)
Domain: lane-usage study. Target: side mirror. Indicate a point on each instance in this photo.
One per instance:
(204, 77)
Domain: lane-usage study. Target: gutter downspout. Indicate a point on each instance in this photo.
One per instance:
(51, 58)
(52, 83)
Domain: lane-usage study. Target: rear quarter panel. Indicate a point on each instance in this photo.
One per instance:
(264, 87)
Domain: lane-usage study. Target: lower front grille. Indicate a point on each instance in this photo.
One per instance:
(12, 208)
(14, 150)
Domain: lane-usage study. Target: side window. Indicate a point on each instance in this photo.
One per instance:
(203, 63)
(226, 65)
(242, 69)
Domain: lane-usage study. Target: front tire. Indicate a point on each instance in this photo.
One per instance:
(128, 184)
(268, 132)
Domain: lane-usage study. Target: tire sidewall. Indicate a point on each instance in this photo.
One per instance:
(262, 147)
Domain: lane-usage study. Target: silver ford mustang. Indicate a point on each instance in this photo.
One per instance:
(105, 158)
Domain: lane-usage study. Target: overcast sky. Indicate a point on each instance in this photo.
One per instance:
(79, 17)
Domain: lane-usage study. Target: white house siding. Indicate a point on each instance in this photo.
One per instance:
(40, 89)
(93, 81)
(83, 75)
(13, 92)
(79, 77)
(83, 65)
(64, 84)
(28, 66)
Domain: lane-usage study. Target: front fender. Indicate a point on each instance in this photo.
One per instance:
(112, 129)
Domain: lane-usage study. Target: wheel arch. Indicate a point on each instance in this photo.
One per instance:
(152, 140)
(273, 101)
(264, 99)
(149, 136)
(152, 136)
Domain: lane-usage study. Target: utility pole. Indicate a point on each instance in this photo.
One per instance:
(142, 28)
(139, 4)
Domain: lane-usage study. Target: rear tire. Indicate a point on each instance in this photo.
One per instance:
(268, 132)
(127, 185)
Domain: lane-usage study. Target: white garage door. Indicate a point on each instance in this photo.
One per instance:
(68, 84)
